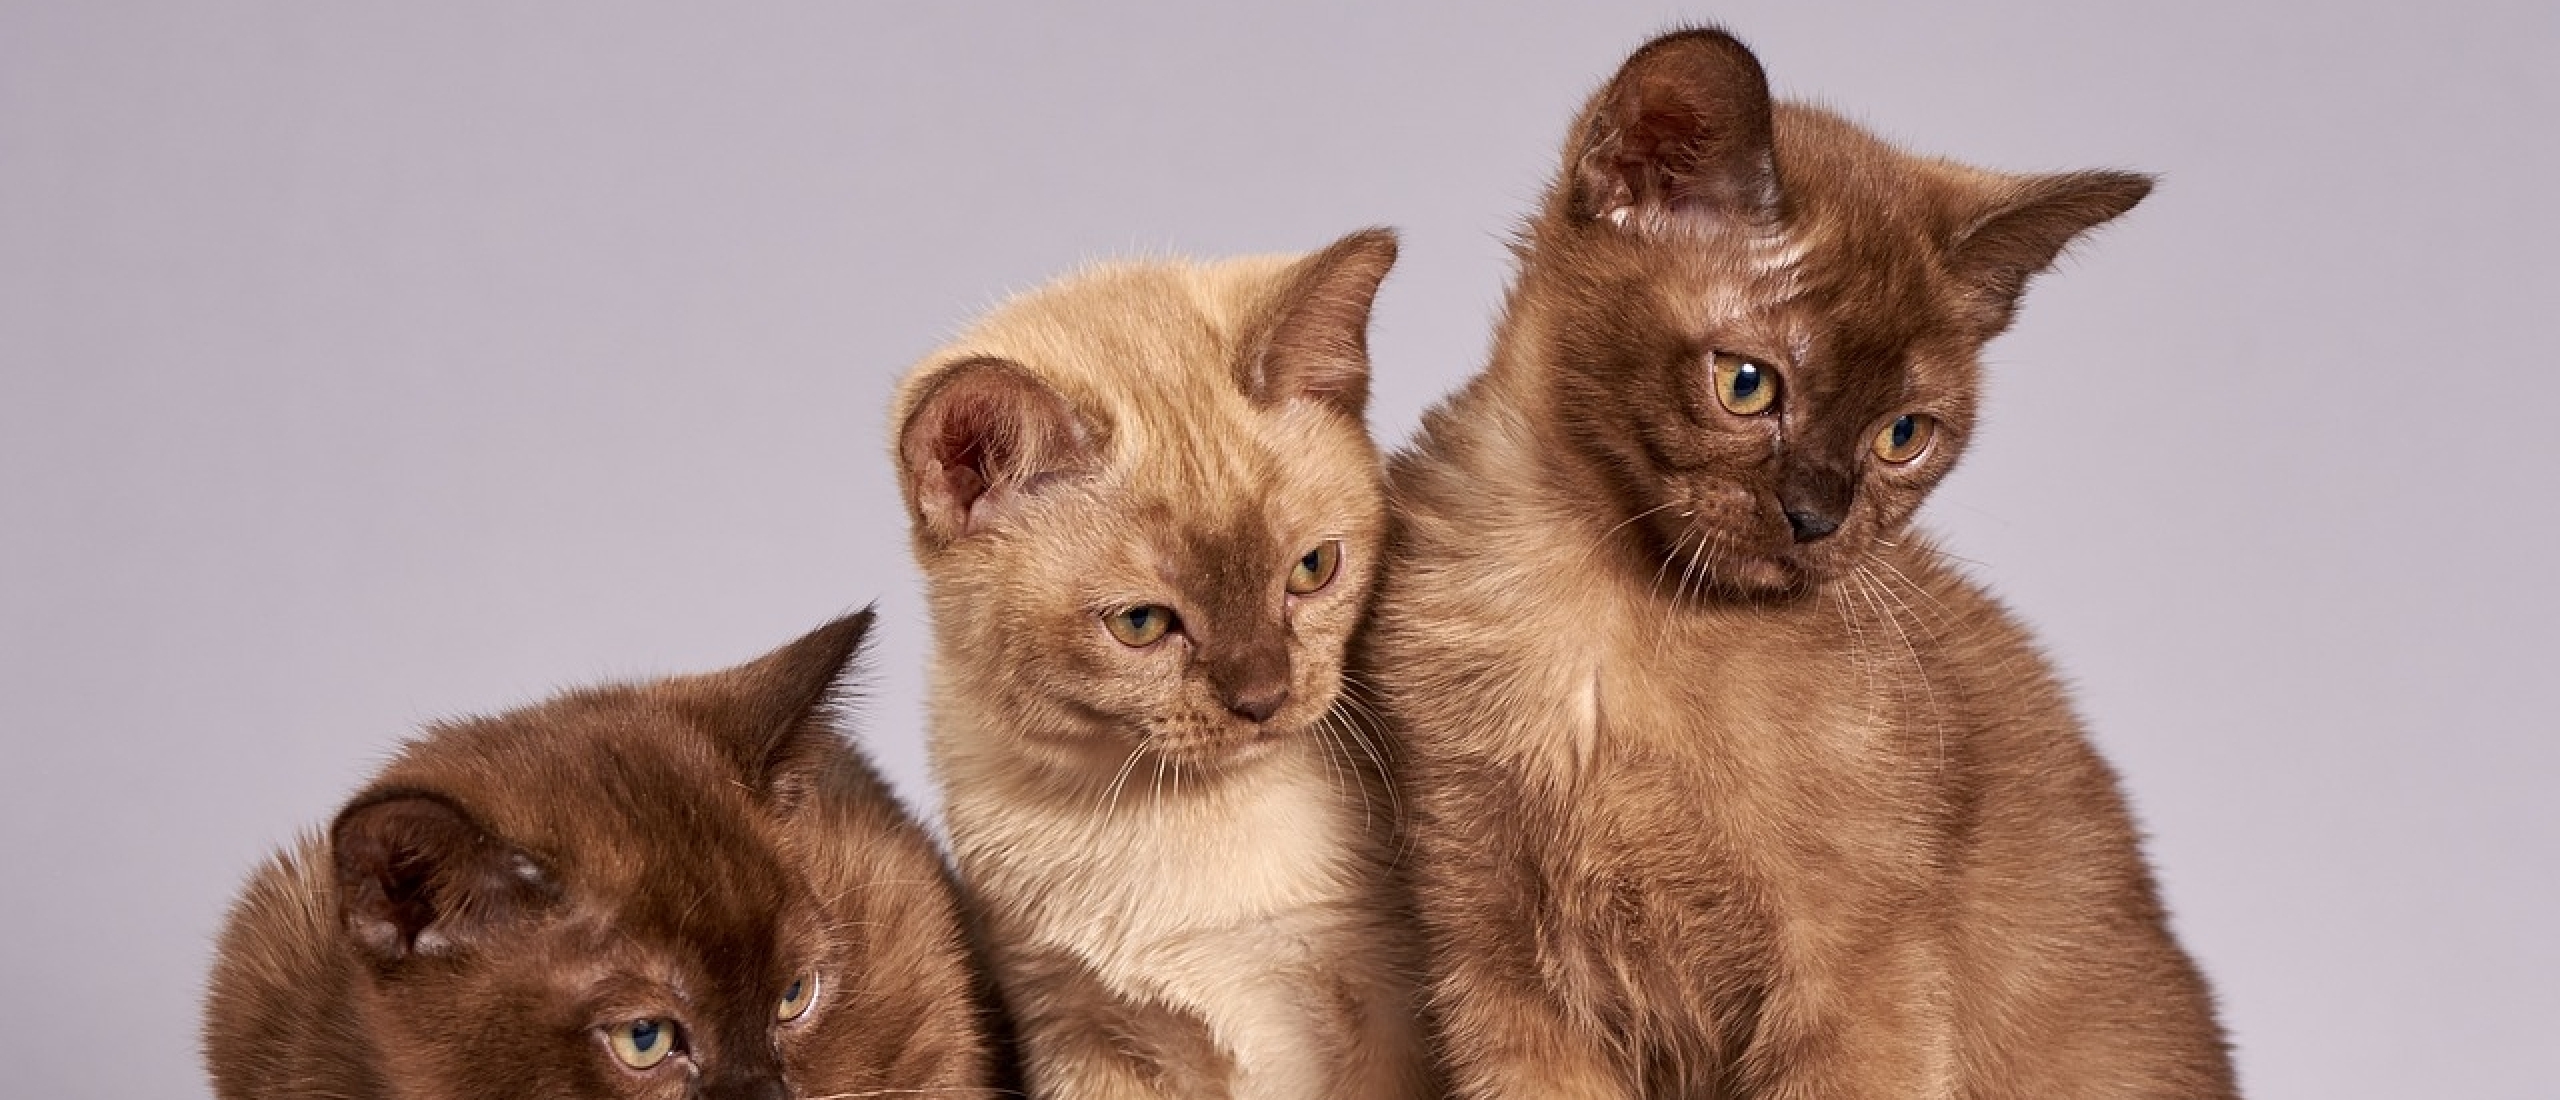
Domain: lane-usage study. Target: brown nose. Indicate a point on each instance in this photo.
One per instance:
(1258, 703)
(1815, 499)
(1809, 526)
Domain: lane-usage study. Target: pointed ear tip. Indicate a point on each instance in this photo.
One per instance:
(855, 627)
(1378, 244)
(386, 818)
(985, 379)
(1682, 45)
(843, 638)
(1708, 35)
(2130, 187)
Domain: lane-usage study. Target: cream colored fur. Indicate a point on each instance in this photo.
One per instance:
(1193, 907)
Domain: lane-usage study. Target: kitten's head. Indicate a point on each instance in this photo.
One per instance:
(1761, 323)
(1147, 505)
(686, 889)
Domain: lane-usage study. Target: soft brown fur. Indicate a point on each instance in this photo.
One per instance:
(1183, 886)
(1703, 809)
(510, 887)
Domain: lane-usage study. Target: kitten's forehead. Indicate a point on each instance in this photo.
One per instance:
(1854, 272)
(1226, 568)
(628, 799)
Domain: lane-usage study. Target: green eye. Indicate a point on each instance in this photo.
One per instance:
(1316, 569)
(642, 1044)
(797, 998)
(1140, 626)
(1743, 386)
(1904, 439)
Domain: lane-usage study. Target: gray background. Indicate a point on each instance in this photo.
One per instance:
(363, 364)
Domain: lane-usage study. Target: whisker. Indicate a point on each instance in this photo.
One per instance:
(1122, 776)
(1326, 727)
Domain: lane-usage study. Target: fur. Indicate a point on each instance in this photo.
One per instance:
(510, 887)
(1178, 848)
(1724, 783)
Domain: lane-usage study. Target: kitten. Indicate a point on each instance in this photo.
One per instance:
(1148, 515)
(1724, 783)
(688, 888)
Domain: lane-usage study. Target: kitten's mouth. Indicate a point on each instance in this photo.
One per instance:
(1220, 752)
(1707, 566)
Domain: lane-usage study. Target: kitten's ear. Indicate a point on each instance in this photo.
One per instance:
(779, 721)
(982, 434)
(2024, 228)
(1314, 338)
(1682, 132)
(416, 875)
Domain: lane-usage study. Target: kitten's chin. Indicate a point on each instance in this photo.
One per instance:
(1729, 575)
(1761, 578)
(1235, 751)
(1715, 545)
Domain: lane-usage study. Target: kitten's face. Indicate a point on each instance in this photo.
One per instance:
(656, 969)
(671, 891)
(1767, 423)
(1149, 509)
(1763, 323)
(1202, 628)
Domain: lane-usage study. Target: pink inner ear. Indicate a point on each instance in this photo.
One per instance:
(986, 431)
(1685, 130)
(969, 449)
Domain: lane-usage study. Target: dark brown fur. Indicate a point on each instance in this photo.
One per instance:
(1716, 801)
(511, 886)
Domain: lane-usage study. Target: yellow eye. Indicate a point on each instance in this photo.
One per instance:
(1316, 569)
(1904, 439)
(797, 998)
(1743, 386)
(642, 1044)
(1140, 626)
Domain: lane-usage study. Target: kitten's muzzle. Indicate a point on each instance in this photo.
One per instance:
(1260, 704)
(1815, 498)
(1809, 526)
(1250, 675)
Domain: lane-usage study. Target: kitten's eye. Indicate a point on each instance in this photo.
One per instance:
(1744, 387)
(1315, 570)
(796, 998)
(1140, 626)
(1904, 439)
(642, 1044)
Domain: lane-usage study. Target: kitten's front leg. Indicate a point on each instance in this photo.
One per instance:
(1503, 1030)
(1082, 1040)
(1502, 1040)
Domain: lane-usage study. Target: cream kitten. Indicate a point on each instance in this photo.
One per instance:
(1149, 518)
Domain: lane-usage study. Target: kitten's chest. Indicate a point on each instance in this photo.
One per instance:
(1241, 913)
(1125, 884)
(1782, 744)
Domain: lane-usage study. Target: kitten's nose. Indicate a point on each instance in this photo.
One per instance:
(1259, 703)
(1809, 526)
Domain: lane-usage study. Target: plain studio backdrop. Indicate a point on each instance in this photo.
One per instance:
(364, 364)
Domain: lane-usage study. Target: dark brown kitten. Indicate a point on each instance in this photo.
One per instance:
(688, 888)
(1725, 784)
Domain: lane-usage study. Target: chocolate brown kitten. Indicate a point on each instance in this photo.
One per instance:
(1149, 516)
(688, 888)
(1725, 784)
